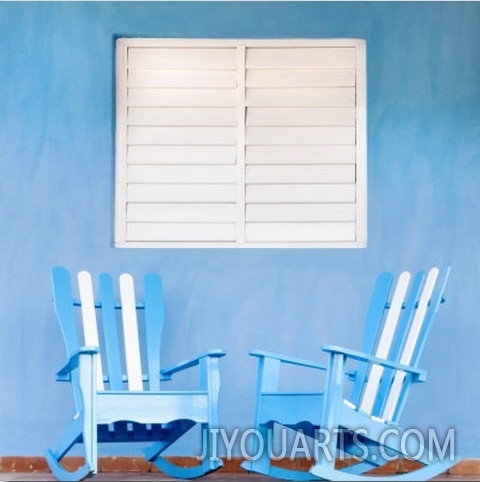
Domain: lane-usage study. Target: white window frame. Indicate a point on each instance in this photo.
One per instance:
(359, 237)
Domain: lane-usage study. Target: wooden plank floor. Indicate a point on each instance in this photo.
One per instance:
(155, 476)
(135, 477)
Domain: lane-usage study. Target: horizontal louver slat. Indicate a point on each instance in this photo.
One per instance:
(334, 173)
(300, 232)
(261, 136)
(300, 57)
(183, 58)
(314, 97)
(341, 154)
(182, 136)
(178, 232)
(174, 116)
(300, 193)
(181, 155)
(181, 213)
(301, 78)
(181, 78)
(181, 193)
(301, 116)
(201, 97)
(300, 212)
(181, 174)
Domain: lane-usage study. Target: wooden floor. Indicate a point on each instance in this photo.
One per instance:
(151, 476)
(135, 469)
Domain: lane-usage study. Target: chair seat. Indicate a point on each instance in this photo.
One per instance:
(308, 407)
(151, 407)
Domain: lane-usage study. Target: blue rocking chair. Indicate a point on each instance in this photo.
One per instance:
(357, 421)
(115, 375)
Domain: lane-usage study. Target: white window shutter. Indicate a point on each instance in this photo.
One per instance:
(240, 143)
(303, 100)
(180, 144)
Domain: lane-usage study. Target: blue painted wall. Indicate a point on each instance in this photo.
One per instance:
(56, 193)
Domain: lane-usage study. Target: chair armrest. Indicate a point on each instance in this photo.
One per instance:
(64, 374)
(296, 361)
(288, 359)
(418, 375)
(166, 373)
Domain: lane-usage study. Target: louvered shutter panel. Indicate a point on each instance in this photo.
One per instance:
(240, 143)
(300, 144)
(181, 144)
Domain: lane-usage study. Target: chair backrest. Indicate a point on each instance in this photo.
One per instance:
(127, 333)
(398, 321)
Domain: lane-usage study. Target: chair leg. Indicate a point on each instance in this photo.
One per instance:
(210, 461)
(61, 473)
(82, 428)
(263, 463)
(72, 436)
(261, 460)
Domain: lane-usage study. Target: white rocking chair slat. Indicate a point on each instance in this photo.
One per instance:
(130, 333)
(410, 344)
(385, 342)
(408, 312)
(89, 317)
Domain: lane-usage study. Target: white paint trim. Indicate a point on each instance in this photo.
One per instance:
(361, 139)
(120, 146)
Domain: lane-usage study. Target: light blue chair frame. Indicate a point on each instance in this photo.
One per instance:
(340, 411)
(107, 408)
